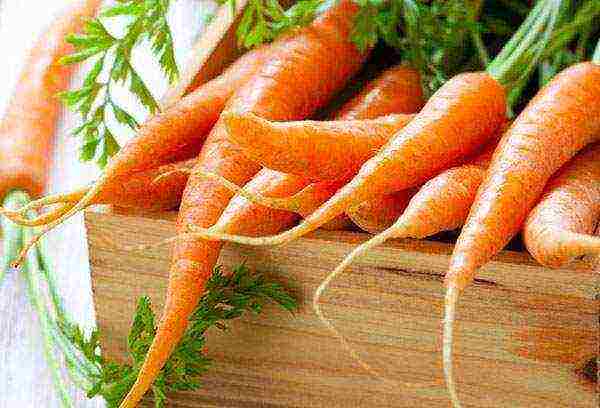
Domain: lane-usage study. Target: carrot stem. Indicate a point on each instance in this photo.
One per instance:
(522, 53)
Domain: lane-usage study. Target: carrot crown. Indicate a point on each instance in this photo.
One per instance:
(519, 57)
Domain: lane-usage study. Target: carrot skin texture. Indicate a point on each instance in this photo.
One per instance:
(29, 123)
(453, 124)
(376, 215)
(396, 90)
(303, 66)
(561, 226)
(560, 120)
(317, 150)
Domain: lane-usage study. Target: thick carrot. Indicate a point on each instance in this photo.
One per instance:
(560, 120)
(561, 226)
(29, 123)
(318, 150)
(453, 124)
(327, 150)
(306, 68)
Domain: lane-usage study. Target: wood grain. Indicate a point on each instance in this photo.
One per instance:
(524, 332)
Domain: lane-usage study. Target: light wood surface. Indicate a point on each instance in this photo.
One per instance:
(523, 337)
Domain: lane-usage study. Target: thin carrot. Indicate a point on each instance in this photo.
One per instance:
(305, 69)
(318, 150)
(560, 120)
(175, 134)
(154, 190)
(28, 126)
(561, 226)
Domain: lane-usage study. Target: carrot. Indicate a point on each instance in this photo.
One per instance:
(453, 124)
(397, 90)
(296, 147)
(561, 226)
(173, 135)
(380, 213)
(153, 190)
(318, 150)
(560, 120)
(306, 68)
(28, 126)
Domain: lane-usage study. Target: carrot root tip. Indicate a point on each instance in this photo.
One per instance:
(447, 341)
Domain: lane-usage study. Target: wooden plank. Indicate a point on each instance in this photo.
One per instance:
(524, 332)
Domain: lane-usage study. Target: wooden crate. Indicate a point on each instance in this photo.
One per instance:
(524, 334)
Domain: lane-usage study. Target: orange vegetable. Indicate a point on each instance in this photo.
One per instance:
(378, 214)
(561, 226)
(28, 126)
(305, 69)
(318, 150)
(560, 120)
(453, 124)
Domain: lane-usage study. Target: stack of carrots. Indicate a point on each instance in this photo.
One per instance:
(243, 161)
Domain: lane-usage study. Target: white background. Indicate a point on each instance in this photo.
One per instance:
(24, 378)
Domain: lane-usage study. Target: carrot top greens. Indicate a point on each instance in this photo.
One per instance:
(439, 38)
(94, 100)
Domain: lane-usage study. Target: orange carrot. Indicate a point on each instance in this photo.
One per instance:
(453, 124)
(396, 90)
(287, 147)
(561, 227)
(152, 190)
(173, 135)
(147, 189)
(306, 68)
(29, 123)
(380, 213)
(318, 150)
(560, 120)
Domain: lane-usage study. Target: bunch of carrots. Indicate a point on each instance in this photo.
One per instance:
(244, 162)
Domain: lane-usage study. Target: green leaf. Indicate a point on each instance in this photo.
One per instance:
(124, 117)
